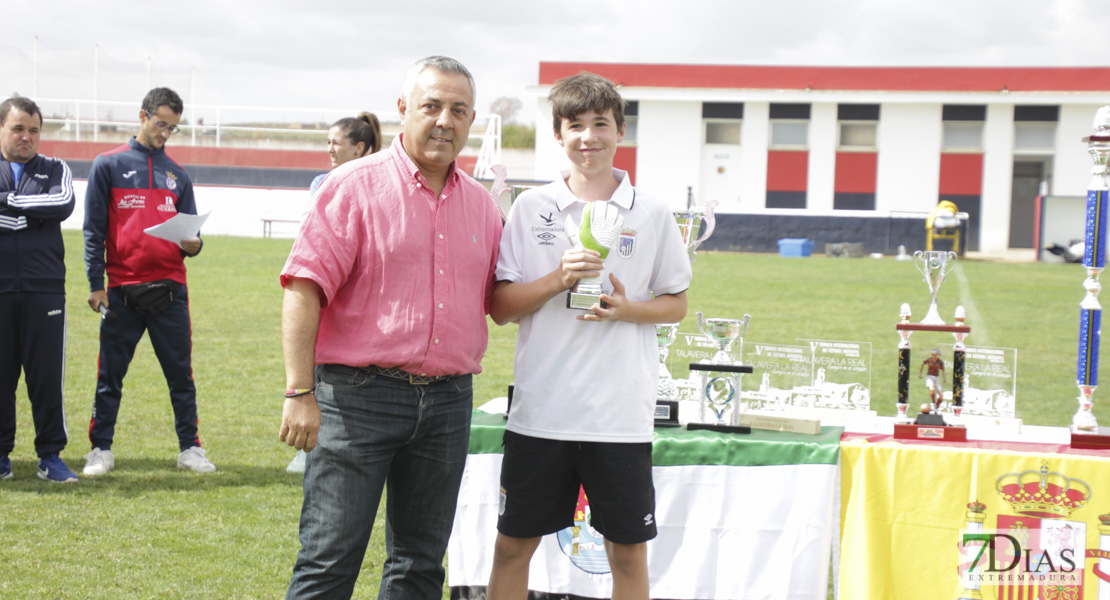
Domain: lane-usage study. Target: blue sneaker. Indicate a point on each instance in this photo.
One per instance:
(5, 467)
(53, 469)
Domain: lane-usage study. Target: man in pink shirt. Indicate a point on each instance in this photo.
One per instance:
(383, 324)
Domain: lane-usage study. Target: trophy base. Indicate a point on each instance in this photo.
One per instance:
(781, 424)
(666, 413)
(940, 433)
(582, 301)
(1096, 440)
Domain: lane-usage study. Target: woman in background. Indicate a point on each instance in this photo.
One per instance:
(350, 138)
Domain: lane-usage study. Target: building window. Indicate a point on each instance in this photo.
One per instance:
(858, 136)
(963, 135)
(1034, 136)
(631, 114)
(789, 134)
(722, 132)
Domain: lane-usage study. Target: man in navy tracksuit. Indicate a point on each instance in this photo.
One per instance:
(36, 195)
(131, 188)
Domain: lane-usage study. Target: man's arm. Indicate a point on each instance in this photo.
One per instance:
(54, 205)
(512, 301)
(187, 203)
(97, 195)
(300, 322)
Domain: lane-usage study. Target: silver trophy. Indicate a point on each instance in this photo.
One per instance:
(723, 333)
(689, 223)
(600, 229)
(934, 266)
(666, 333)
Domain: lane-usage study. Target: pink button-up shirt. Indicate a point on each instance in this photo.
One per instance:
(406, 275)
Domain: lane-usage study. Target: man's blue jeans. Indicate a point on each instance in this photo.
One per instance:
(374, 431)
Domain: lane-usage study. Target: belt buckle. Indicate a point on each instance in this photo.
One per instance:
(413, 382)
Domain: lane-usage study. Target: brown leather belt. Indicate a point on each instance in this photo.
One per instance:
(403, 375)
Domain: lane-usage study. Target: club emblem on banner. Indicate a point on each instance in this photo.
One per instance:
(584, 545)
(1038, 552)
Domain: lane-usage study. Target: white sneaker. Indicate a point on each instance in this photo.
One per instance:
(195, 458)
(99, 462)
(297, 464)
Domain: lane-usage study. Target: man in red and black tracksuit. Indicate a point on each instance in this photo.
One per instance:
(131, 188)
(36, 195)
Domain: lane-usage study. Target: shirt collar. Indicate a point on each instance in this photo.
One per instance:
(622, 196)
(410, 168)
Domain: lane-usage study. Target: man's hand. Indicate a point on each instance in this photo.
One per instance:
(191, 247)
(579, 263)
(300, 422)
(96, 299)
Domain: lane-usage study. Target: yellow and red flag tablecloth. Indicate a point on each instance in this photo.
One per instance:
(914, 517)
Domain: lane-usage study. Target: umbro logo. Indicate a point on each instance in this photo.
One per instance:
(54, 313)
(128, 174)
(648, 520)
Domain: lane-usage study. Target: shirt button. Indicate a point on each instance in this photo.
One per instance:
(441, 305)
(441, 236)
(443, 197)
(441, 271)
(437, 340)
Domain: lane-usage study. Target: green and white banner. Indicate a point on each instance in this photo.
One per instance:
(739, 516)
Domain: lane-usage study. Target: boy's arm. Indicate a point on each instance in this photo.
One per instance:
(665, 308)
(512, 301)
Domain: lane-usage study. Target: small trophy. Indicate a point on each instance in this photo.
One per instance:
(689, 223)
(722, 332)
(666, 396)
(601, 226)
(934, 266)
(720, 377)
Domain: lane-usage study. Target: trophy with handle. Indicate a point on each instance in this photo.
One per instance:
(934, 266)
(600, 229)
(720, 377)
(689, 223)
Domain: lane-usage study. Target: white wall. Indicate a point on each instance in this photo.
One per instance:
(755, 133)
(234, 211)
(1072, 168)
(821, 182)
(998, 178)
(668, 149)
(909, 140)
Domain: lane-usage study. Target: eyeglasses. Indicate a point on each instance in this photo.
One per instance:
(162, 125)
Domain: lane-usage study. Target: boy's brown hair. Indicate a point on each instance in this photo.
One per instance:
(574, 95)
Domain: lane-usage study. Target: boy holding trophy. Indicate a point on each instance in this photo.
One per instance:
(586, 359)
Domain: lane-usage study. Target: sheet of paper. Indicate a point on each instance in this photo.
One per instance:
(180, 227)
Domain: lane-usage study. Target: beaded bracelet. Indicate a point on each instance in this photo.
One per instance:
(295, 393)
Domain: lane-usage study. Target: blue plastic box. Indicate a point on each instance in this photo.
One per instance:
(795, 247)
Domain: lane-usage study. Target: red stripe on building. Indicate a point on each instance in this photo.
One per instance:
(856, 172)
(907, 79)
(625, 160)
(787, 170)
(961, 174)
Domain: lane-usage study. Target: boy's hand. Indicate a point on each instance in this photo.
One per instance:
(618, 304)
(578, 263)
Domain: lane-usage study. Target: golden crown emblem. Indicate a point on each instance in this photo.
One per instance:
(1043, 494)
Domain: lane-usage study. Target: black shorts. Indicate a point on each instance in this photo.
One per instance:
(540, 480)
